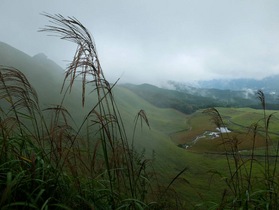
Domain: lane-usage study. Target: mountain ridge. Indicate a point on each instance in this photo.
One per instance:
(268, 84)
(179, 96)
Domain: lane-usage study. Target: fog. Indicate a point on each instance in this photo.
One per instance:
(147, 41)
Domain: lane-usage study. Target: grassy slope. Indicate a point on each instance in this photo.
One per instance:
(168, 126)
(47, 79)
(238, 120)
(45, 76)
(165, 122)
(164, 98)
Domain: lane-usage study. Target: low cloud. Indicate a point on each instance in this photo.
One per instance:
(155, 41)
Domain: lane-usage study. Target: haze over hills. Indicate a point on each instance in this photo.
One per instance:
(167, 111)
(43, 72)
(47, 77)
(179, 96)
(268, 84)
(232, 89)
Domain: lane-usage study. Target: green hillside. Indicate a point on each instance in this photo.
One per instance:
(163, 98)
(47, 78)
(189, 99)
(128, 147)
(47, 81)
(44, 74)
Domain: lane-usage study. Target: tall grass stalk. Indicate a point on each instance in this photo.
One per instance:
(252, 179)
(47, 162)
(104, 114)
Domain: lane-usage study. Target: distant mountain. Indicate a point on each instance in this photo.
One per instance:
(235, 97)
(47, 77)
(43, 60)
(44, 74)
(268, 84)
(188, 99)
(164, 98)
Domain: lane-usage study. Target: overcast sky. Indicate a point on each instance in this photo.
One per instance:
(151, 41)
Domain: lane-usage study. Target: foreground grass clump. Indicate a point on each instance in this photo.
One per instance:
(46, 162)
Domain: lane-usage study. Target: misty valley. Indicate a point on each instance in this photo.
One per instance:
(73, 140)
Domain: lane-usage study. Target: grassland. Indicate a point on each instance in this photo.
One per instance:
(104, 147)
(237, 120)
(154, 141)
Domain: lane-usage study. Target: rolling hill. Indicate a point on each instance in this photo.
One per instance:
(168, 113)
(188, 99)
(269, 84)
(47, 78)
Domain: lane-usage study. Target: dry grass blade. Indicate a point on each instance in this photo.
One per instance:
(142, 115)
(261, 97)
(215, 117)
(175, 178)
(7, 125)
(18, 96)
(59, 110)
(269, 119)
(85, 63)
(14, 85)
